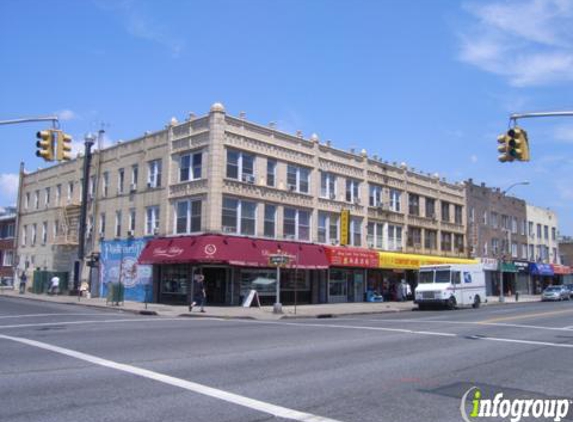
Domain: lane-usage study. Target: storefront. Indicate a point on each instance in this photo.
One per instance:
(233, 266)
(542, 276)
(491, 269)
(347, 273)
(561, 274)
(522, 280)
(508, 271)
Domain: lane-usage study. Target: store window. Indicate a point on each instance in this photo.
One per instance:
(263, 281)
(175, 281)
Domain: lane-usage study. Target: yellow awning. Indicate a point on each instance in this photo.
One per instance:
(403, 261)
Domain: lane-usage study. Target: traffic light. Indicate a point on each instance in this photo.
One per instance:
(503, 148)
(45, 144)
(64, 147)
(518, 144)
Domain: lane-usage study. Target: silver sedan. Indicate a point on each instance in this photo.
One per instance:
(555, 293)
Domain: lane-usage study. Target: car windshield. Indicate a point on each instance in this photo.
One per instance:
(426, 277)
(553, 289)
(442, 276)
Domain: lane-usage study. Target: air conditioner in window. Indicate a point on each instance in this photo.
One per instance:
(291, 188)
(290, 236)
(149, 185)
(229, 229)
(132, 187)
(130, 233)
(155, 231)
(371, 245)
(248, 178)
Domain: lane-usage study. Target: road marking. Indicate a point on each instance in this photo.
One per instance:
(525, 316)
(532, 342)
(277, 411)
(42, 315)
(105, 321)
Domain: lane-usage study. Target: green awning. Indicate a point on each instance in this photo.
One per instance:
(508, 267)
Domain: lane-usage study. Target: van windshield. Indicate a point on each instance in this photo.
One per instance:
(426, 277)
(442, 276)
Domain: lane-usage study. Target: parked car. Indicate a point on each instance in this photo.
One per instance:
(556, 293)
(570, 288)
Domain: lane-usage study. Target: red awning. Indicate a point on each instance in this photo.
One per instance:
(561, 269)
(232, 250)
(351, 257)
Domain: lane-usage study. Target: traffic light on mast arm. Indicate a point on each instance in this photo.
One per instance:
(45, 143)
(503, 148)
(513, 145)
(64, 147)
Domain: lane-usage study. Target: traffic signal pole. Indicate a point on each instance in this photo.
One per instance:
(53, 119)
(514, 117)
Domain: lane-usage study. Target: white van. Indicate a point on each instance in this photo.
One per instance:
(451, 285)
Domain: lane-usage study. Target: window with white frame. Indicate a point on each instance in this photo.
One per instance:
(546, 232)
(152, 220)
(102, 225)
(484, 218)
(523, 227)
(8, 258)
(458, 214)
(188, 216)
(56, 229)
(120, 180)
(271, 172)
(70, 191)
(27, 200)
(413, 204)
(190, 166)
(352, 191)
(514, 225)
(446, 241)
(531, 253)
(270, 220)
(91, 187)
(523, 251)
(328, 227)
(375, 235)
(394, 237)
(47, 197)
(34, 234)
(430, 239)
(118, 224)
(327, 185)
(154, 174)
(24, 235)
(298, 178)
(296, 224)
(514, 249)
(37, 199)
(495, 246)
(430, 207)
(240, 166)
(58, 195)
(445, 211)
(132, 219)
(105, 184)
(553, 233)
(472, 215)
(44, 232)
(375, 195)
(239, 216)
(395, 199)
(494, 220)
(134, 177)
(355, 233)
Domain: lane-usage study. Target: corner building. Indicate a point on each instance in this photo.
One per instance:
(218, 194)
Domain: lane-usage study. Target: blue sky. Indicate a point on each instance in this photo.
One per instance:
(429, 83)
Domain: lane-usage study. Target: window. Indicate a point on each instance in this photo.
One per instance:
(446, 242)
(91, 187)
(56, 229)
(271, 172)
(37, 199)
(296, 224)
(24, 235)
(430, 239)
(430, 208)
(118, 224)
(188, 216)
(27, 200)
(514, 225)
(514, 249)
(352, 194)
(190, 166)
(459, 243)
(270, 220)
(8, 258)
(375, 196)
(413, 204)
(531, 253)
(47, 197)
(102, 225)
(120, 180)
(240, 166)
(298, 179)
(494, 220)
(327, 227)
(553, 233)
(523, 251)
(539, 231)
(395, 200)
(375, 235)
(505, 222)
(239, 216)
(34, 234)
(151, 220)
(134, 177)
(472, 215)
(7, 230)
(132, 218)
(523, 228)
(154, 174)
(546, 232)
(414, 237)
(394, 238)
(484, 219)
(531, 233)
(495, 246)
(355, 235)
(44, 232)
(445, 211)
(554, 256)
(105, 184)
(327, 185)
(58, 195)
(458, 214)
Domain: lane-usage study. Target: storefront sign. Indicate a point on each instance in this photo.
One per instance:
(393, 260)
(279, 260)
(561, 269)
(507, 267)
(489, 264)
(344, 226)
(541, 269)
(521, 266)
(351, 257)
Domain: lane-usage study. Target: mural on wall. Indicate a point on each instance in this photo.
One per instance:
(118, 262)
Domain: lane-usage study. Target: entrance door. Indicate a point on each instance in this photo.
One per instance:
(215, 284)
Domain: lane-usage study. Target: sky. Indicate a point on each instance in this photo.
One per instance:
(429, 83)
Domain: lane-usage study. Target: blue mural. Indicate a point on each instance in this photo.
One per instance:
(118, 263)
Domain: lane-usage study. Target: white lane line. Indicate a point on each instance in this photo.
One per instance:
(43, 315)
(277, 411)
(105, 321)
(531, 342)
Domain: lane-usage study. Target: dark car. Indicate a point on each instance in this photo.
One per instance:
(555, 293)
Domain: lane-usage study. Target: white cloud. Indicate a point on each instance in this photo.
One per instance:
(66, 114)
(9, 185)
(528, 42)
(564, 134)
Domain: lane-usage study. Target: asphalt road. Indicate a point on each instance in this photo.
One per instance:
(70, 363)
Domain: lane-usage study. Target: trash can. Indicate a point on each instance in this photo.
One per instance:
(115, 293)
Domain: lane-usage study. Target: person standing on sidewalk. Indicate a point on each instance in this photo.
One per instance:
(54, 285)
(200, 293)
(23, 280)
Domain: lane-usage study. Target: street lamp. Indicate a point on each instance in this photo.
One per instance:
(509, 246)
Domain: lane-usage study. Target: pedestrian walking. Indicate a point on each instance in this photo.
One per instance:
(54, 285)
(200, 293)
(23, 280)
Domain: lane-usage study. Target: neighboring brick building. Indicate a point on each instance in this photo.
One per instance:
(7, 253)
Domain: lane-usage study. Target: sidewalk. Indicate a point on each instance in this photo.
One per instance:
(263, 313)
